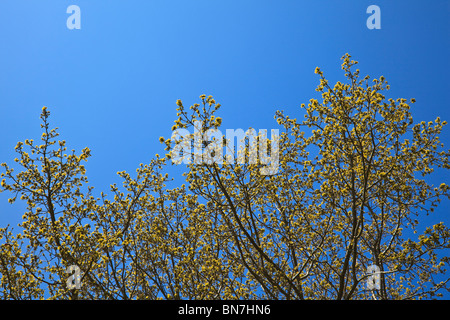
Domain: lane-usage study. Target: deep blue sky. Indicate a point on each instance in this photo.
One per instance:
(112, 85)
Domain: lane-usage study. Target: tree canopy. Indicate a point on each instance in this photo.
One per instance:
(349, 192)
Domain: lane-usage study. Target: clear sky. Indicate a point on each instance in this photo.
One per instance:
(112, 85)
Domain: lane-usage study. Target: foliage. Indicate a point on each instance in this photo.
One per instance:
(345, 197)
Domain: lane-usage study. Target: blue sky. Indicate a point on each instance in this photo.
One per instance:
(112, 85)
